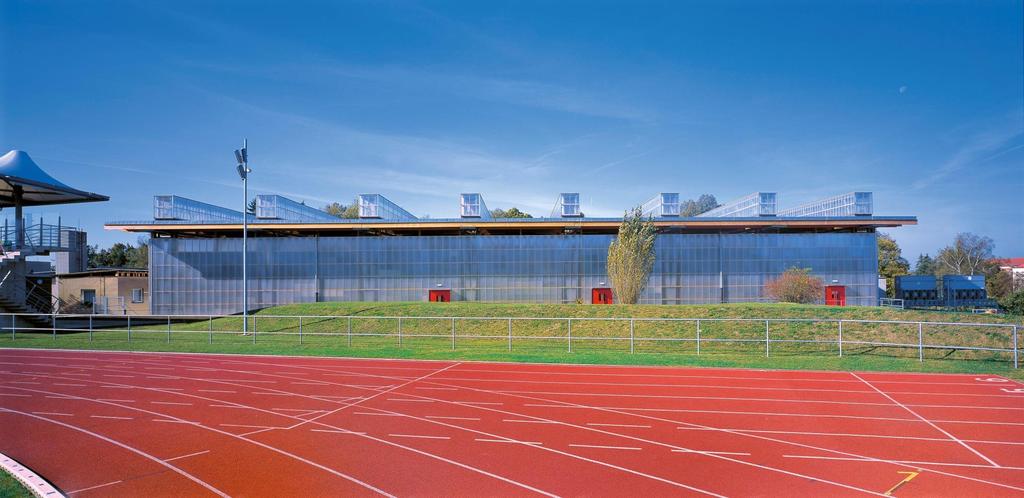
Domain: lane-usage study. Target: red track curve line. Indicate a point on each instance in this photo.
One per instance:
(201, 426)
(659, 443)
(124, 446)
(322, 415)
(364, 435)
(612, 410)
(929, 422)
(468, 467)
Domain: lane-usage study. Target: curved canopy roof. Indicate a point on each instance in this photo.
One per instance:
(20, 172)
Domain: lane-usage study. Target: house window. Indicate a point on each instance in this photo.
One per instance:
(137, 295)
(88, 296)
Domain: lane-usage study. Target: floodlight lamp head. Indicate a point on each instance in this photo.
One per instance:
(243, 172)
(238, 156)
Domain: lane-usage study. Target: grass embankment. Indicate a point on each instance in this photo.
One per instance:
(480, 337)
(12, 488)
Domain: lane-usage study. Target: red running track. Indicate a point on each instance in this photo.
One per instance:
(142, 424)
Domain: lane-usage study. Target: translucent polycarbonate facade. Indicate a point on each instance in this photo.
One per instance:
(848, 204)
(276, 207)
(756, 204)
(473, 206)
(378, 206)
(664, 204)
(203, 276)
(173, 207)
(568, 206)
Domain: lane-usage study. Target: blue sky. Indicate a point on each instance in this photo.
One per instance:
(922, 103)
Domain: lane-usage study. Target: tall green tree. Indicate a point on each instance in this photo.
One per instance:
(925, 265)
(890, 262)
(512, 212)
(120, 255)
(631, 256)
(703, 204)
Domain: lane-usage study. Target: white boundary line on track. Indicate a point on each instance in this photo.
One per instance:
(186, 456)
(929, 422)
(842, 434)
(602, 447)
(908, 462)
(90, 488)
(132, 449)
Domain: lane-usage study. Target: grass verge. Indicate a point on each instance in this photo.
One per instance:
(11, 487)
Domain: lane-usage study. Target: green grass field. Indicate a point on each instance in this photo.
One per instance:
(478, 336)
(11, 487)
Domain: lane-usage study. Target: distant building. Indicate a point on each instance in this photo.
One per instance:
(106, 291)
(1015, 267)
(296, 255)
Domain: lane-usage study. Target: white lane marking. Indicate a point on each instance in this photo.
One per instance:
(24, 382)
(604, 447)
(55, 413)
(170, 403)
(843, 434)
(411, 400)
(908, 462)
(486, 403)
(444, 417)
(116, 400)
(157, 368)
(120, 376)
(419, 436)
(912, 412)
(437, 388)
(595, 424)
(310, 384)
(215, 391)
(527, 421)
(247, 426)
(339, 431)
(303, 410)
(13, 395)
(186, 456)
(124, 387)
(228, 406)
(273, 394)
(733, 398)
(703, 452)
(378, 414)
(65, 384)
(129, 448)
(175, 421)
(512, 441)
(111, 483)
(110, 417)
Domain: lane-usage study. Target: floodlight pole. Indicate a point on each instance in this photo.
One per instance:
(245, 234)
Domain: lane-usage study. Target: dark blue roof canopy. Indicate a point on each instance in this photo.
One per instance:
(21, 177)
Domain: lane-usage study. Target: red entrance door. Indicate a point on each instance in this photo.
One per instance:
(440, 296)
(835, 295)
(601, 295)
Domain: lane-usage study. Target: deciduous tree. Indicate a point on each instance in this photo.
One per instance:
(890, 262)
(631, 256)
(795, 285)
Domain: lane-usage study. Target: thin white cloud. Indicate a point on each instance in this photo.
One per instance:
(980, 147)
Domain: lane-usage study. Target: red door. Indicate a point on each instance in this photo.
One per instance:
(440, 296)
(835, 295)
(601, 295)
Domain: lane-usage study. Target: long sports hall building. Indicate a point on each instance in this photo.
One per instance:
(300, 254)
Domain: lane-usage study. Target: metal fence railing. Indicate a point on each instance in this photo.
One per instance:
(782, 336)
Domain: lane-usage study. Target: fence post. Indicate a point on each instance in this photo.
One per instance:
(570, 334)
(349, 331)
(632, 337)
(168, 329)
(211, 329)
(766, 340)
(510, 334)
(300, 331)
(90, 328)
(698, 336)
(920, 341)
(840, 337)
(253, 329)
(53, 325)
(129, 329)
(13, 325)
(453, 333)
(1015, 353)
(399, 331)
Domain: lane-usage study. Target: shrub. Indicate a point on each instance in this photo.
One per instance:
(795, 285)
(631, 256)
(1013, 303)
